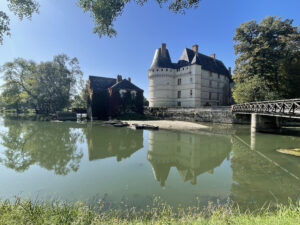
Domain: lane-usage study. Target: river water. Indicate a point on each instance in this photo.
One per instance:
(90, 162)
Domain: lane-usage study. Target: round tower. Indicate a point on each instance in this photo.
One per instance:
(161, 77)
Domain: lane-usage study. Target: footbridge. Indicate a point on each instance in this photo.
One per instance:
(267, 116)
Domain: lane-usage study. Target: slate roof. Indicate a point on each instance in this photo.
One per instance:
(160, 61)
(189, 57)
(104, 83)
(125, 84)
(101, 83)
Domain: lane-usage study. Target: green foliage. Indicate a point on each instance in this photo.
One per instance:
(268, 60)
(80, 100)
(139, 102)
(4, 26)
(21, 8)
(100, 104)
(105, 12)
(47, 87)
(146, 102)
(28, 212)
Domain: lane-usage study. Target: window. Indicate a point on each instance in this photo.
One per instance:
(157, 70)
(218, 76)
(191, 92)
(209, 97)
(210, 74)
(162, 69)
(166, 69)
(218, 85)
(191, 80)
(178, 103)
(218, 96)
(179, 94)
(179, 81)
(210, 83)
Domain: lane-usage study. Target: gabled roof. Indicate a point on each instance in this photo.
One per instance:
(125, 84)
(104, 83)
(101, 83)
(189, 57)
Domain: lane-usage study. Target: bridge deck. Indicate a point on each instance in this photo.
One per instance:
(289, 108)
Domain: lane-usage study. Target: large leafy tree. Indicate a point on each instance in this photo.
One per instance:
(268, 62)
(104, 12)
(46, 87)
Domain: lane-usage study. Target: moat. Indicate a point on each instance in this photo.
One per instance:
(89, 162)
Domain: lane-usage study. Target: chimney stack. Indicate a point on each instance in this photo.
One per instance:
(129, 79)
(195, 48)
(119, 78)
(164, 49)
(213, 56)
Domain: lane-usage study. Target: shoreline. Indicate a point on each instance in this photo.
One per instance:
(168, 124)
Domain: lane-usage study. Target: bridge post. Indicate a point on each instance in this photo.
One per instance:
(263, 123)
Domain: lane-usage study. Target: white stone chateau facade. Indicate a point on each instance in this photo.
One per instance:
(195, 80)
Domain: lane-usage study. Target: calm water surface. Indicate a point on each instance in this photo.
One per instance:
(91, 162)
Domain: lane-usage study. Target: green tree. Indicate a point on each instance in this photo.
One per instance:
(46, 87)
(80, 99)
(21, 8)
(265, 51)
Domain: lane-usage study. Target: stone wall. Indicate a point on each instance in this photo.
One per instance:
(204, 114)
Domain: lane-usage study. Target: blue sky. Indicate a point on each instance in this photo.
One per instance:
(62, 27)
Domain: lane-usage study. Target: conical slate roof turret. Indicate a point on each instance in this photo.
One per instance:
(162, 58)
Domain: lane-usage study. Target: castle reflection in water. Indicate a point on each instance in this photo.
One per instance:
(190, 154)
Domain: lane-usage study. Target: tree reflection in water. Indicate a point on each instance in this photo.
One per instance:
(118, 142)
(50, 145)
(263, 176)
(191, 154)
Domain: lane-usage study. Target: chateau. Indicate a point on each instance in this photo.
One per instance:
(195, 80)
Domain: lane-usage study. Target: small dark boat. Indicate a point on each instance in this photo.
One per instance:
(121, 125)
(145, 126)
(112, 122)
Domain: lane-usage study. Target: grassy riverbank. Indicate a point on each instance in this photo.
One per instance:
(26, 212)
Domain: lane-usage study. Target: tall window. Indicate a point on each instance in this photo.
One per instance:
(218, 96)
(210, 83)
(209, 96)
(179, 94)
(178, 103)
(210, 74)
(219, 76)
(218, 84)
(191, 80)
(179, 81)
(191, 92)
